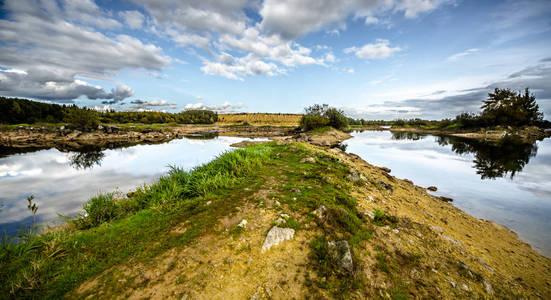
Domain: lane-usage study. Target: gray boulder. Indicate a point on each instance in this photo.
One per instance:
(276, 236)
(340, 253)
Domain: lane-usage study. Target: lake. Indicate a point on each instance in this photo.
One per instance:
(508, 182)
(62, 181)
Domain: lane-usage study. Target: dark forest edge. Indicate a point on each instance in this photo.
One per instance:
(23, 111)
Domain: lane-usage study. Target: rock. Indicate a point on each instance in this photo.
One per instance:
(284, 216)
(395, 230)
(353, 176)
(340, 253)
(437, 229)
(320, 212)
(445, 199)
(277, 235)
(370, 215)
(385, 185)
(385, 169)
(242, 224)
(276, 203)
(208, 202)
(295, 190)
(453, 242)
(432, 188)
(488, 288)
(308, 159)
(280, 221)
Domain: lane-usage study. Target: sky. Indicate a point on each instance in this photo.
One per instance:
(374, 59)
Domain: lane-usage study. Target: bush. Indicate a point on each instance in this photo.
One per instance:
(84, 119)
(322, 115)
(309, 122)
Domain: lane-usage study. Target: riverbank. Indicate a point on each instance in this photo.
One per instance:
(114, 136)
(527, 134)
(345, 229)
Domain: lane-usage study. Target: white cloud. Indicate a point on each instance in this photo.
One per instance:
(133, 18)
(378, 50)
(294, 18)
(461, 54)
(144, 105)
(54, 52)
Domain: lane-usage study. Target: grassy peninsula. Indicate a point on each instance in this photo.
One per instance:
(357, 232)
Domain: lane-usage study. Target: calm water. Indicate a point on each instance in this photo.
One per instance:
(61, 182)
(509, 183)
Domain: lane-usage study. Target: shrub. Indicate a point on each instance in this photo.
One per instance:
(83, 119)
(309, 122)
(322, 115)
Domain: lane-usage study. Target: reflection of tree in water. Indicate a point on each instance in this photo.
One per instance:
(402, 135)
(494, 159)
(86, 159)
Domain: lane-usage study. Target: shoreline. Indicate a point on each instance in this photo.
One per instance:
(529, 134)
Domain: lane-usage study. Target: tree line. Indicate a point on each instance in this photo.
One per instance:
(19, 111)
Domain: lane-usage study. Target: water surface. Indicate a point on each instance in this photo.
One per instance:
(62, 181)
(508, 182)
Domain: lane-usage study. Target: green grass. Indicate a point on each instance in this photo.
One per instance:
(119, 230)
(127, 231)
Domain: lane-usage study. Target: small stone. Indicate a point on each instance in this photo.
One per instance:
(295, 190)
(277, 235)
(437, 229)
(488, 288)
(284, 216)
(369, 214)
(320, 212)
(465, 287)
(208, 202)
(369, 198)
(445, 199)
(242, 224)
(308, 160)
(277, 203)
(395, 230)
(280, 221)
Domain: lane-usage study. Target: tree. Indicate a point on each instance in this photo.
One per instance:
(84, 119)
(507, 107)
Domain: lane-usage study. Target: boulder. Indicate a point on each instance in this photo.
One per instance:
(308, 160)
(340, 254)
(276, 236)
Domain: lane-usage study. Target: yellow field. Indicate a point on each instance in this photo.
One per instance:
(259, 119)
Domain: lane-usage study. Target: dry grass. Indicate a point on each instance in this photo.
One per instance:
(259, 119)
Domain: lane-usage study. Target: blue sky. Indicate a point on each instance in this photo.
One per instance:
(373, 59)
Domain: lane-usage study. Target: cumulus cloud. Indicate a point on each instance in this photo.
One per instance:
(378, 50)
(295, 18)
(133, 18)
(536, 77)
(40, 85)
(226, 107)
(456, 56)
(56, 55)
